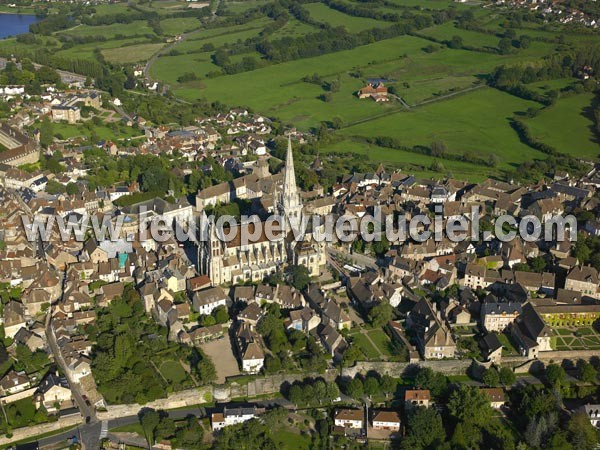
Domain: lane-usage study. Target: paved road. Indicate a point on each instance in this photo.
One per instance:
(89, 434)
(356, 258)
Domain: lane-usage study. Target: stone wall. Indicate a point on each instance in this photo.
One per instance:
(398, 369)
(24, 433)
(189, 397)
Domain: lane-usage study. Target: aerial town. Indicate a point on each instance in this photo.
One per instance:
(146, 301)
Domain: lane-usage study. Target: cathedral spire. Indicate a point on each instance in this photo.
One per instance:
(289, 180)
(291, 204)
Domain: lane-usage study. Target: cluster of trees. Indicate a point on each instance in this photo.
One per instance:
(538, 169)
(512, 78)
(218, 315)
(157, 425)
(311, 392)
(526, 137)
(494, 377)
(373, 385)
(289, 349)
(129, 348)
(51, 24)
(536, 412)
(29, 76)
(587, 250)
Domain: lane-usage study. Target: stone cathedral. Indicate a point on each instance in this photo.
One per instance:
(237, 261)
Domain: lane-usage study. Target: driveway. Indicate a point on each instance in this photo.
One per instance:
(222, 356)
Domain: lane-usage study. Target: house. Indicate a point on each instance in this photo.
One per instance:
(249, 348)
(14, 318)
(417, 397)
(206, 300)
(69, 114)
(31, 340)
(496, 396)
(54, 391)
(475, 276)
(349, 418)
(14, 382)
(333, 341)
(434, 338)
(305, 319)
(497, 316)
(251, 314)
(583, 279)
(491, 348)
(531, 332)
(374, 91)
(232, 416)
(386, 420)
(593, 412)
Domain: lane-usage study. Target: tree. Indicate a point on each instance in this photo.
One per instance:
(295, 395)
(493, 160)
(371, 386)
(434, 381)
(220, 314)
(456, 42)
(524, 41)
(425, 430)
(149, 419)
(507, 376)
(381, 314)
(337, 123)
(46, 132)
(438, 148)
(332, 391)
(491, 377)
(355, 388)
(469, 404)
(582, 435)
(300, 277)
(388, 385)
(505, 46)
(586, 372)
(555, 375)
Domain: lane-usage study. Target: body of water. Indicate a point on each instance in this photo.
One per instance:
(13, 24)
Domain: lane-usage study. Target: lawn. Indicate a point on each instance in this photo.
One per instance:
(448, 30)
(132, 53)
(382, 341)
(138, 27)
(477, 122)
(323, 13)
(294, 28)
(365, 346)
(508, 348)
(173, 371)
(292, 441)
(172, 27)
(567, 127)
(65, 131)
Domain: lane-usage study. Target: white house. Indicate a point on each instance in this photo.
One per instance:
(206, 300)
(386, 420)
(232, 416)
(349, 418)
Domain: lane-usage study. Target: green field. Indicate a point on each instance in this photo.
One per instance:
(323, 13)
(365, 346)
(173, 371)
(132, 53)
(447, 30)
(566, 127)
(476, 122)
